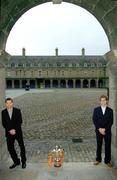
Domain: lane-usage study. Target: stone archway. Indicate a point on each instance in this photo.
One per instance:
(105, 11)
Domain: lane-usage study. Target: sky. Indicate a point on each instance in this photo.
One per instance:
(65, 26)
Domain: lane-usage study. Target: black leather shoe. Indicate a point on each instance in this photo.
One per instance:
(14, 165)
(23, 165)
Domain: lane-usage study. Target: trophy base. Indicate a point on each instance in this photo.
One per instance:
(57, 164)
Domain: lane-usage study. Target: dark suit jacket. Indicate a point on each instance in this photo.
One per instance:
(103, 121)
(13, 123)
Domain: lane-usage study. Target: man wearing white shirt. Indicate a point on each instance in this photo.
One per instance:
(103, 120)
(12, 121)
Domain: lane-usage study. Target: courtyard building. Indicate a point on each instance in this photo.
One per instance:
(57, 71)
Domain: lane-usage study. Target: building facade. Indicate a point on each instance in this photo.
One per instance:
(56, 71)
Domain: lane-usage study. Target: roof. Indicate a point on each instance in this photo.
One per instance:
(57, 59)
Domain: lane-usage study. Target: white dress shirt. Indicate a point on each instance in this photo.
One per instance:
(10, 111)
(103, 109)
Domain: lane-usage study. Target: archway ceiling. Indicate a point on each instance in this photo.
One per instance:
(104, 10)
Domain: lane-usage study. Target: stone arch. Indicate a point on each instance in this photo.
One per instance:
(9, 83)
(78, 83)
(32, 83)
(16, 83)
(62, 83)
(85, 83)
(55, 83)
(24, 81)
(70, 83)
(100, 83)
(93, 83)
(105, 11)
(47, 83)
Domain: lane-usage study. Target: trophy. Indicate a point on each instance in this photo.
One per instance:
(56, 157)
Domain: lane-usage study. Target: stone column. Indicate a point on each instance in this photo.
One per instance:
(3, 151)
(74, 82)
(51, 83)
(66, 83)
(97, 83)
(59, 83)
(36, 86)
(13, 84)
(89, 83)
(20, 81)
(112, 68)
(44, 84)
(81, 83)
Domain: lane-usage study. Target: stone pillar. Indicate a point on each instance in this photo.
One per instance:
(20, 81)
(13, 84)
(59, 83)
(3, 151)
(66, 83)
(74, 82)
(36, 86)
(112, 68)
(89, 83)
(81, 83)
(97, 83)
(51, 83)
(43, 83)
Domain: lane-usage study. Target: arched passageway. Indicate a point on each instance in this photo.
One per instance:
(78, 83)
(106, 13)
(70, 83)
(93, 83)
(62, 84)
(55, 83)
(47, 83)
(85, 83)
(8, 84)
(32, 84)
(16, 84)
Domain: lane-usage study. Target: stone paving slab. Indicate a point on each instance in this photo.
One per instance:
(55, 117)
(69, 171)
(38, 151)
(42, 132)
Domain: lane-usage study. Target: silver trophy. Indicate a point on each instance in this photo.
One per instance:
(57, 156)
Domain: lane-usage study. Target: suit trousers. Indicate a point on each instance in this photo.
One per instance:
(10, 145)
(107, 140)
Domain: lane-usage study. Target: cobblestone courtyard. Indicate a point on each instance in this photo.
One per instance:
(57, 117)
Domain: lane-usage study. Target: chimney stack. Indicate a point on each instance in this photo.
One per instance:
(83, 52)
(56, 52)
(23, 52)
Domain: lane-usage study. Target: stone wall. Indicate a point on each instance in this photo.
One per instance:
(112, 68)
(3, 153)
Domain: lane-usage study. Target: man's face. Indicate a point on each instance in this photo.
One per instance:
(103, 102)
(9, 104)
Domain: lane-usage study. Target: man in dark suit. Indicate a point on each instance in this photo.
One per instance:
(103, 120)
(11, 121)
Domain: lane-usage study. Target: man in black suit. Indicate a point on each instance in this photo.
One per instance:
(11, 121)
(103, 120)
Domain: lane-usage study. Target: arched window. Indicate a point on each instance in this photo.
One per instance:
(92, 83)
(85, 83)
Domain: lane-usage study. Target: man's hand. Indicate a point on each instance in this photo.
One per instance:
(102, 131)
(12, 131)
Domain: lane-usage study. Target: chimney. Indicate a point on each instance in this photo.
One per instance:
(83, 52)
(56, 52)
(23, 52)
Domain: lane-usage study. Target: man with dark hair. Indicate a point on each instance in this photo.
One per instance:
(103, 120)
(11, 121)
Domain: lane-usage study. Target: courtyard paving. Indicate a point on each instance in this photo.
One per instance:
(57, 117)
